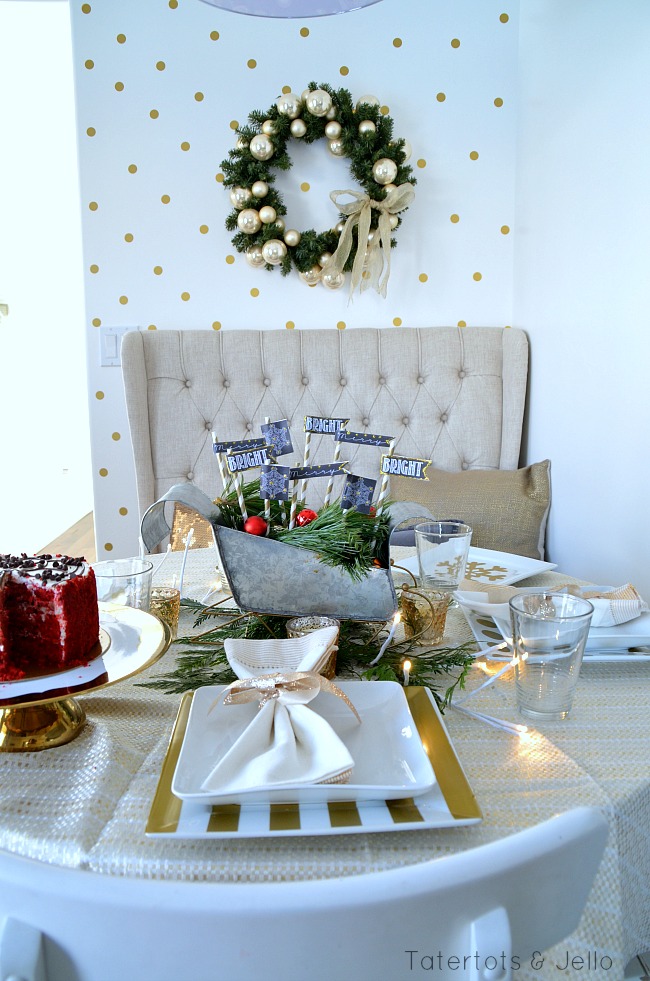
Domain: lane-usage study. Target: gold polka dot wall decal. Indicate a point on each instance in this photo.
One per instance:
(477, 277)
(157, 270)
(121, 38)
(173, 4)
(185, 145)
(498, 103)
(505, 229)
(251, 63)
(108, 546)
(462, 323)
(204, 229)
(214, 35)
(99, 395)
(165, 198)
(124, 511)
(124, 300)
(290, 325)
(94, 268)
(185, 296)
(255, 291)
(230, 259)
(385, 110)
(397, 42)
(344, 70)
(93, 206)
(455, 43)
(132, 169)
(152, 327)
(304, 186)
(219, 178)
(160, 65)
(423, 277)
(103, 472)
(421, 164)
(441, 97)
(89, 64)
(96, 322)
(128, 237)
(504, 18)
(286, 89)
(234, 124)
(454, 219)
(91, 131)
(154, 114)
(116, 436)
(341, 325)
(85, 8)
(199, 97)
(304, 32)
(216, 325)
(119, 86)
(473, 155)
(397, 321)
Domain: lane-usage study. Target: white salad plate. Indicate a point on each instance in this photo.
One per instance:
(389, 759)
(492, 568)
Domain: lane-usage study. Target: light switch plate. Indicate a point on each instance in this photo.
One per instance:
(110, 345)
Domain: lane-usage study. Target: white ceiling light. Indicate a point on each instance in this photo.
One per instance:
(290, 8)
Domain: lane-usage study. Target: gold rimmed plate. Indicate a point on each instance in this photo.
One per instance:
(449, 803)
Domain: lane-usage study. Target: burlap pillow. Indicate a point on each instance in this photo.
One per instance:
(507, 509)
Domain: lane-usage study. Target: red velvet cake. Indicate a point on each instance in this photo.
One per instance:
(49, 618)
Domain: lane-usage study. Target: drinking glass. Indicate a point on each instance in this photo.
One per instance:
(442, 548)
(549, 633)
(166, 605)
(126, 582)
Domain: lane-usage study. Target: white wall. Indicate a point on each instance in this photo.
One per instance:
(582, 279)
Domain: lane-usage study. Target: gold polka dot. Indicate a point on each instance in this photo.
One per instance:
(185, 296)
(304, 32)
(473, 155)
(91, 131)
(119, 86)
(341, 325)
(116, 437)
(477, 277)
(216, 325)
(507, 326)
(397, 42)
(251, 63)
(185, 145)
(230, 259)
(286, 89)
(154, 114)
(498, 103)
(93, 206)
(462, 323)
(94, 268)
(455, 43)
(124, 511)
(132, 168)
(421, 164)
(89, 64)
(344, 70)
(128, 237)
(397, 321)
(160, 65)
(199, 97)
(234, 124)
(99, 395)
(255, 291)
(152, 327)
(290, 325)
(304, 186)
(219, 178)
(173, 4)
(158, 270)
(121, 38)
(505, 229)
(108, 547)
(441, 97)
(504, 18)
(96, 322)
(85, 8)
(124, 300)
(165, 199)
(423, 277)
(204, 229)
(384, 110)
(103, 472)
(454, 218)
(214, 35)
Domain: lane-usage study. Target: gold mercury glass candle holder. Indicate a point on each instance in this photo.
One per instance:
(166, 605)
(424, 614)
(299, 626)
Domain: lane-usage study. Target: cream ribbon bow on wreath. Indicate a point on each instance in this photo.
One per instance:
(373, 256)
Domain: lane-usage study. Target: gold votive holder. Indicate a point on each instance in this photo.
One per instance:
(166, 605)
(300, 626)
(424, 614)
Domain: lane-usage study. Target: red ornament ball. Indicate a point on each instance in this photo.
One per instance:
(305, 517)
(255, 525)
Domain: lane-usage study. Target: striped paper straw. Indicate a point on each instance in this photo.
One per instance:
(303, 486)
(330, 482)
(294, 503)
(383, 490)
(267, 500)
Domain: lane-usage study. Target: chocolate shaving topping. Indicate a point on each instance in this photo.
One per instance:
(46, 567)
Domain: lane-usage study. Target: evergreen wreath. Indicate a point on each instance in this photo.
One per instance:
(360, 133)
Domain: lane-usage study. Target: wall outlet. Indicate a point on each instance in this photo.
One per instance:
(110, 345)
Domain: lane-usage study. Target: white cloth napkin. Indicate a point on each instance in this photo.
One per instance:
(287, 743)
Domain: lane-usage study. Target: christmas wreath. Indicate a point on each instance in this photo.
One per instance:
(361, 241)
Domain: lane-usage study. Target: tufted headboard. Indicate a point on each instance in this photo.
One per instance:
(455, 396)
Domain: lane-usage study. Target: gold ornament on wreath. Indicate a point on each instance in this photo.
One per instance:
(361, 239)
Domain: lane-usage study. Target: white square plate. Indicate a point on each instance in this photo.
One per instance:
(389, 759)
(495, 568)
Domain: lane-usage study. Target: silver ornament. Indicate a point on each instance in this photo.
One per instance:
(390, 187)
(367, 126)
(268, 127)
(368, 100)
(336, 148)
(393, 221)
(298, 128)
(268, 214)
(260, 189)
(279, 224)
(292, 237)
(254, 257)
(240, 196)
(332, 280)
(288, 105)
(340, 225)
(324, 258)
(274, 251)
(248, 221)
(319, 102)
(384, 171)
(331, 114)
(312, 275)
(241, 144)
(333, 130)
(261, 147)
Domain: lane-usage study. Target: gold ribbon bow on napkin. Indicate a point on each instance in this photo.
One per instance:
(293, 687)
(371, 256)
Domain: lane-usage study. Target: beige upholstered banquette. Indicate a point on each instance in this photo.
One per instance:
(455, 396)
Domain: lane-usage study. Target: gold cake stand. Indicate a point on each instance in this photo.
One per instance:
(41, 713)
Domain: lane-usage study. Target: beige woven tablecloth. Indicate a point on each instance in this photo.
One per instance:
(86, 804)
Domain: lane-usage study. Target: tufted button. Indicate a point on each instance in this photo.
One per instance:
(464, 466)
(365, 422)
(190, 475)
(267, 382)
(305, 380)
(343, 382)
(405, 421)
(461, 373)
(420, 380)
(382, 380)
(249, 427)
(444, 417)
(226, 383)
(208, 426)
